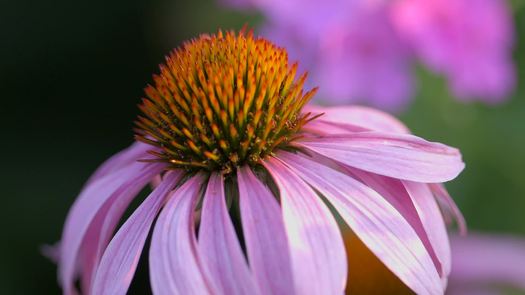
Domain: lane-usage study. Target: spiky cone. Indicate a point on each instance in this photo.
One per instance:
(223, 101)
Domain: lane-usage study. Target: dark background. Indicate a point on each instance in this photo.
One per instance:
(72, 73)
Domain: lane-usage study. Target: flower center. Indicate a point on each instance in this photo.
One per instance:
(222, 101)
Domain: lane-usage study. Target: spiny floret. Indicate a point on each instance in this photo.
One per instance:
(221, 101)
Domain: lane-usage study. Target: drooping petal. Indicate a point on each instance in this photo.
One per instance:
(101, 230)
(175, 266)
(450, 208)
(121, 257)
(265, 236)
(220, 249)
(350, 117)
(51, 252)
(399, 156)
(433, 222)
(94, 243)
(375, 221)
(123, 158)
(316, 245)
(96, 196)
(103, 225)
(488, 260)
(407, 203)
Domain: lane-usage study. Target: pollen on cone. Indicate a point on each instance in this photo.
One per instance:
(221, 101)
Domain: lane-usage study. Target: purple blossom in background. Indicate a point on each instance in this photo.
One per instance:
(469, 41)
(484, 263)
(369, 65)
(361, 51)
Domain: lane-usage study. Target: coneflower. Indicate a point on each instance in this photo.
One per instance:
(243, 178)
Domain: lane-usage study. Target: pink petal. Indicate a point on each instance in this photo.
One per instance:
(219, 246)
(175, 266)
(375, 221)
(399, 156)
(103, 225)
(488, 260)
(265, 235)
(325, 128)
(51, 252)
(450, 208)
(120, 160)
(94, 244)
(101, 230)
(356, 116)
(96, 196)
(121, 257)
(433, 222)
(407, 199)
(316, 246)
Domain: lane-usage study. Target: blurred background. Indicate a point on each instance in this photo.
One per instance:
(72, 73)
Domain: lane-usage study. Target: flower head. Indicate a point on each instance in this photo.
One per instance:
(223, 101)
(234, 148)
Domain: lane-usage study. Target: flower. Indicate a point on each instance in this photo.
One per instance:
(468, 41)
(371, 65)
(239, 166)
(483, 264)
(352, 65)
